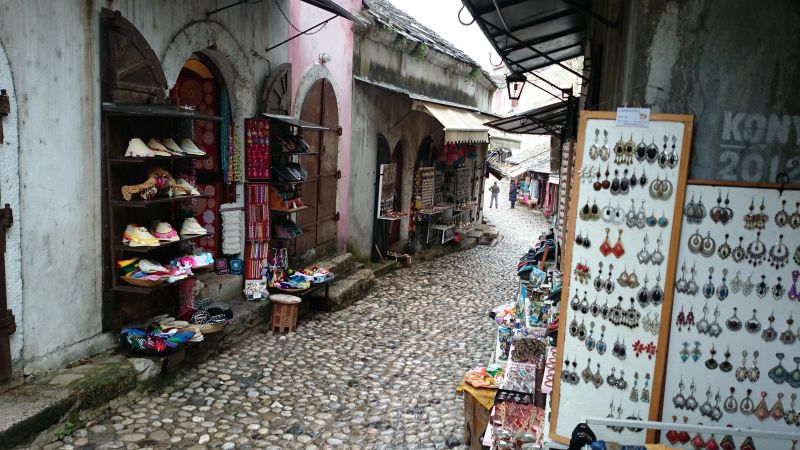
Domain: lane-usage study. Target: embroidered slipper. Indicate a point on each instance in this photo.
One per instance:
(188, 147)
(191, 227)
(126, 235)
(165, 232)
(137, 149)
(157, 148)
(186, 185)
(172, 147)
(142, 238)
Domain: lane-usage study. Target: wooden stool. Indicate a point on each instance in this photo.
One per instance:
(284, 312)
(476, 418)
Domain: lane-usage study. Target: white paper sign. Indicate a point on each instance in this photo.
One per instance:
(633, 117)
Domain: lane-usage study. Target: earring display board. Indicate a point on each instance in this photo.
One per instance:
(734, 355)
(619, 256)
(386, 189)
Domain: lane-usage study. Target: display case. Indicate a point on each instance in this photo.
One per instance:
(149, 200)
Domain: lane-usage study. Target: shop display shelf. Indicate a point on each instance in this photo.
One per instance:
(287, 239)
(146, 203)
(122, 287)
(442, 227)
(153, 110)
(286, 183)
(142, 160)
(295, 122)
(289, 211)
(295, 153)
(127, 248)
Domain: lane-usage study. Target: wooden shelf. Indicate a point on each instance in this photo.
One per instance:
(288, 211)
(154, 110)
(295, 153)
(146, 203)
(126, 248)
(294, 182)
(122, 287)
(287, 239)
(142, 160)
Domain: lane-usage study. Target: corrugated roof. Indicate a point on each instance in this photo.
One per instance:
(389, 15)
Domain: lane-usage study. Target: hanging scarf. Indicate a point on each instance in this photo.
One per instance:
(225, 136)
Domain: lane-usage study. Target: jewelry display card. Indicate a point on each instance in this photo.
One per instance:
(734, 356)
(256, 148)
(618, 255)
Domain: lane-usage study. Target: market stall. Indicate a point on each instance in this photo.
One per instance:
(679, 296)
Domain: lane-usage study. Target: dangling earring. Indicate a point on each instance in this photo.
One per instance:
(645, 397)
(778, 254)
(618, 250)
(605, 247)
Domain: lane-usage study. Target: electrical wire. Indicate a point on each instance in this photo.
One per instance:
(308, 33)
(459, 17)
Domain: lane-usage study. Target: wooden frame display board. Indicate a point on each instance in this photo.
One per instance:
(739, 257)
(425, 189)
(599, 309)
(386, 189)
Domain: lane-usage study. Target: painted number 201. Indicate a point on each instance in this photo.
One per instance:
(755, 167)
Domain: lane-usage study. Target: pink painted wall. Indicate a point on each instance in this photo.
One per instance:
(336, 39)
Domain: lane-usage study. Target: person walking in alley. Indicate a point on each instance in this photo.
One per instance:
(512, 194)
(495, 190)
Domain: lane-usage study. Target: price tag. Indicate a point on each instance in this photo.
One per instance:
(256, 295)
(633, 117)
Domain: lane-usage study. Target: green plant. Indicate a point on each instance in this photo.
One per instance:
(401, 43)
(420, 51)
(474, 73)
(66, 429)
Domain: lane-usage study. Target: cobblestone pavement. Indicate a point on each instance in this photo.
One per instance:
(379, 374)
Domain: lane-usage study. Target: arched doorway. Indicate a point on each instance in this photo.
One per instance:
(319, 223)
(201, 85)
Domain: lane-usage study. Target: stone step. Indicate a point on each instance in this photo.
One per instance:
(346, 290)
(382, 268)
(221, 288)
(341, 264)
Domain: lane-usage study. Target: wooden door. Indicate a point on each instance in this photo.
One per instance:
(319, 223)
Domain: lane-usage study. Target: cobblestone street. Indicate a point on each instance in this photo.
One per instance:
(379, 374)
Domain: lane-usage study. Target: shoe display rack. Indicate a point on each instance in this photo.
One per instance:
(734, 355)
(620, 260)
(121, 123)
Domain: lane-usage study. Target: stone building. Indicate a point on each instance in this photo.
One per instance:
(51, 171)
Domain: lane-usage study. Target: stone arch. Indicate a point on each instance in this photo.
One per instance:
(216, 42)
(9, 193)
(307, 80)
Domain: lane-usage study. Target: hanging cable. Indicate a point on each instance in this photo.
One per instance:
(307, 33)
(492, 63)
(459, 17)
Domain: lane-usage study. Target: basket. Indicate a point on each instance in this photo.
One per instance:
(143, 283)
(210, 328)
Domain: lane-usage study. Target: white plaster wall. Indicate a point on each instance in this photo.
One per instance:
(374, 112)
(9, 194)
(53, 50)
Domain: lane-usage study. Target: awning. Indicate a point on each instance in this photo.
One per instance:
(532, 34)
(460, 126)
(330, 6)
(518, 170)
(556, 119)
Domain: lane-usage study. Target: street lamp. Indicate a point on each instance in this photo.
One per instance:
(515, 81)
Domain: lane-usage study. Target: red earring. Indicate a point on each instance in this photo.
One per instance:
(618, 251)
(605, 247)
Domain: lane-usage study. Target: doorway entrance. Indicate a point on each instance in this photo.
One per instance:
(319, 223)
(201, 85)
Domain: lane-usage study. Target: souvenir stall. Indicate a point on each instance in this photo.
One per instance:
(163, 168)
(274, 146)
(678, 297)
(446, 205)
(506, 400)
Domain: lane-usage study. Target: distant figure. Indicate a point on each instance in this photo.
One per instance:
(495, 189)
(512, 194)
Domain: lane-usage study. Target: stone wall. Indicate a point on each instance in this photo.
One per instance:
(730, 65)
